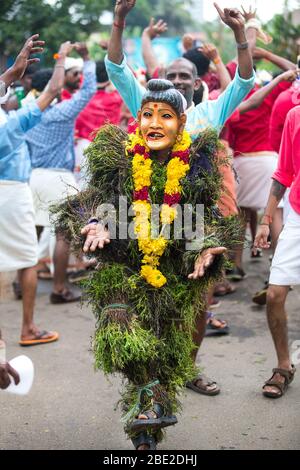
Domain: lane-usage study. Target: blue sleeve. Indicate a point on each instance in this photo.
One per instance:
(218, 111)
(126, 84)
(28, 116)
(17, 124)
(69, 109)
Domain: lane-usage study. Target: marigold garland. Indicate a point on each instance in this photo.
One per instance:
(177, 169)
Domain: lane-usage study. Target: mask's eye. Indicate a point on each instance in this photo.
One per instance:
(167, 116)
(147, 114)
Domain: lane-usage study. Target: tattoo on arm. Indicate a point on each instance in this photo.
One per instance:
(278, 190)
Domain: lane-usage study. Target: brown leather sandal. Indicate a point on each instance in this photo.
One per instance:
(281, 386)
(202, 388)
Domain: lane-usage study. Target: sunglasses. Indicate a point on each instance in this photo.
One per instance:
(76, 73)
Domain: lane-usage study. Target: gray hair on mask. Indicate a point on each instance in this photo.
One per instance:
(163, 91)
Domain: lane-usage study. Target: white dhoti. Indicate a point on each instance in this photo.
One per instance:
(18, 239)
(49, 186)
(285, 269)
(255, 173)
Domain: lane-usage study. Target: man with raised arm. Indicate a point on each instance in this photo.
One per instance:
(183, 74)
(285, 270)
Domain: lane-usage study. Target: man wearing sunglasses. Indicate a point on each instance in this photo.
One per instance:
(73, 77)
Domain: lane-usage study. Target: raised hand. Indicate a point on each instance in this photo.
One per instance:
(210, 51)
(123, 7)
(96, 237)
(232, 17)
(188, 41)
(82, 50)
(66, 48)
(104, 44)
(154, 30)
(249, 15)
(32, 46)
(205, 260)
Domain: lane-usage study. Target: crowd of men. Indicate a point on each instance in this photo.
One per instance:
(48, 117)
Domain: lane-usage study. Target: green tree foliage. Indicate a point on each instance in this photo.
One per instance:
(55, 21)
(63, 20)
(285, 35)
(222, 37)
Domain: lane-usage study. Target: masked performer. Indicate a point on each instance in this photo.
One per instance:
(150, 290)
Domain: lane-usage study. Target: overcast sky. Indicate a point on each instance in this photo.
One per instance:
(265, 9)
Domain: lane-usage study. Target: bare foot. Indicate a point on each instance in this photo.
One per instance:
(272, 389)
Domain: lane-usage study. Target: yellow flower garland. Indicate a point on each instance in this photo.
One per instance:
(177, 169)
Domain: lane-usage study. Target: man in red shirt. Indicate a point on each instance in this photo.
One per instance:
(285, 270)
(284, 103)
(255, 161)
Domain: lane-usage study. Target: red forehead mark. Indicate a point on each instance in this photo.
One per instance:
(155, 105)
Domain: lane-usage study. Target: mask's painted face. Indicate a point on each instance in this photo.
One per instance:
(160, 125)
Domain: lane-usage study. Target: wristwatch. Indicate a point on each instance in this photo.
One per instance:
(2, 89)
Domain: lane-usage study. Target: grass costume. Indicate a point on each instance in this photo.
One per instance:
(145, 305)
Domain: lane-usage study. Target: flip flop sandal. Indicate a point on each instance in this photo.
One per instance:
(65, 297)
(144, 439)
(213, 330)
(39, 339)
(282, 387)
(206, 382)
(140, 425)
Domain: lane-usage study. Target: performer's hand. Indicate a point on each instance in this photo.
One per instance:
(32, 46)
(232, 17)
(261, 239)
(123, 7)
(205, 260)
(154, 30)
(5, 372)
(96, 237)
